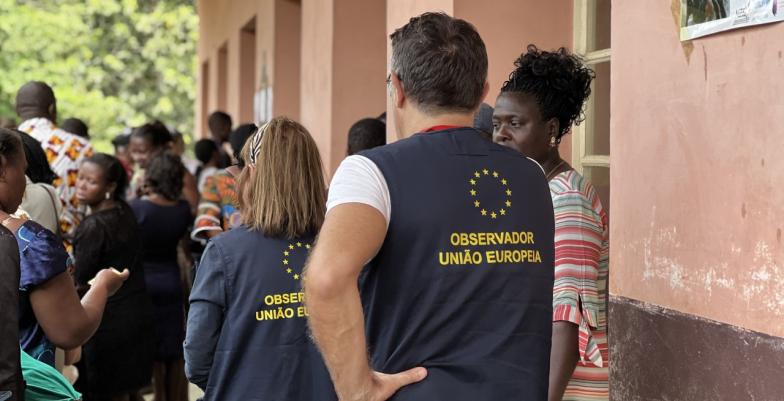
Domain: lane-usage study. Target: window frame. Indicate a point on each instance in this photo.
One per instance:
(584, 23)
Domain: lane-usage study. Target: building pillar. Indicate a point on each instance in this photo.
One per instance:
(342, 76)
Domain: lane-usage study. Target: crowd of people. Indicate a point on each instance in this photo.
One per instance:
(468, 261)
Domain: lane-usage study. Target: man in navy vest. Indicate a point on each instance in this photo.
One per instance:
(457, 235)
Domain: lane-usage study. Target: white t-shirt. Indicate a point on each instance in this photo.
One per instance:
(358, 180)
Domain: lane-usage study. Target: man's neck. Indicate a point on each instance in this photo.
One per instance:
(32, 116)
(420, 122)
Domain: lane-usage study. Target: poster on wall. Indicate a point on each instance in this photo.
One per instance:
(262, 105)
(705, 17)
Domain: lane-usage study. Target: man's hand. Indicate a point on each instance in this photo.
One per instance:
(385, 386)
(351, 235)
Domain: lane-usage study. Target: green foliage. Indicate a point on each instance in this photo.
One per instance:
(112, 63)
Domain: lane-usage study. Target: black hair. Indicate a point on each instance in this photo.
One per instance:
(218, 120)
(155, 133)
(121, 140)
(35, 99)
(10, 145)
(76, 127)
(204, 149)
(441, 62)
(483, 121)
(164, 176)
(558, 80)
(237, 140)
(177, 135)
(365, 134)
(113, 172)
(38, 169)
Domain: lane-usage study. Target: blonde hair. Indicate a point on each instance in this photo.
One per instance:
(281, 189)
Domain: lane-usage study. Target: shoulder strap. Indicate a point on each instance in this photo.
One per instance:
(54, 205)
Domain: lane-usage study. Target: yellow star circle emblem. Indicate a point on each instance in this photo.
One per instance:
(482, 180)
(289, 251)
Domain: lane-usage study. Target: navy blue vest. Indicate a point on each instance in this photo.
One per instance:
(463, 282)
(264, 352)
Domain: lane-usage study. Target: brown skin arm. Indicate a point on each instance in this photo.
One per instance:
(352, 234)
(190, 191)
(563, 357)
(67, 322)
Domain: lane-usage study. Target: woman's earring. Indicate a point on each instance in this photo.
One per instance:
(553, 142)
(108, 196)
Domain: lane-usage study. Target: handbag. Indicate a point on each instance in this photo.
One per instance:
(45, 383)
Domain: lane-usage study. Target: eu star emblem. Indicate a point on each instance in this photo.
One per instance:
(487, 182)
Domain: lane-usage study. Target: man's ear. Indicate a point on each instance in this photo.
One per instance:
(53, 111)
(397, 85)
(485, 91)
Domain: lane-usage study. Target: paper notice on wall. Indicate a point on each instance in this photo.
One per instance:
(262, 105)
(705, 17)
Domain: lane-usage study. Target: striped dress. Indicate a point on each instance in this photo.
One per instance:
(580, 288)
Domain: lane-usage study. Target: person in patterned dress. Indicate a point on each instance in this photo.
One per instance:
(37, 107)
(218, 208)
(537, 106)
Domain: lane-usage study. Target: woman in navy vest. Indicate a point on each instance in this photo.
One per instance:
(247, 335)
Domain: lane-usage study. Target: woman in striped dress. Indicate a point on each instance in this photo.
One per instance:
(537, 106)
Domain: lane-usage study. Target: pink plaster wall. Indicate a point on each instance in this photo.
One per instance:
(508, 26)
(220, 24)
(287, 58)
(343, 70)
(698, 209)
(359, 55)
(316, 74)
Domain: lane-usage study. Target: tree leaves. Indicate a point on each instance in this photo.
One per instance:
(114, 64)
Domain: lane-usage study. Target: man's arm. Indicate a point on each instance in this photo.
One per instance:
(352, 234)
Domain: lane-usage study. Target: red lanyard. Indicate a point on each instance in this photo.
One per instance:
(440, 128)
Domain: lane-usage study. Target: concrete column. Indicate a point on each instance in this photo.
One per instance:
(288, 31)
(343, 70)
(233, 75)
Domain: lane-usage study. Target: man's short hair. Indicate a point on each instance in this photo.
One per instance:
(365, 134)
(121, 140)
(441, 62)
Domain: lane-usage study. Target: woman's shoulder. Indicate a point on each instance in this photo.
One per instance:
(243, 236)
(139, 203)
(572, 184)
(38, 189)
(43, 255)
(31, 231)
(108, 216)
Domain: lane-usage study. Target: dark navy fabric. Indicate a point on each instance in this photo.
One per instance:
(481, 328)
(247, 330)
